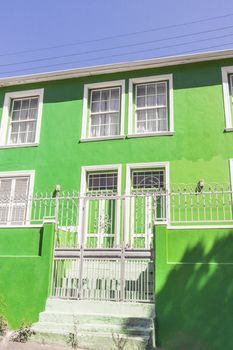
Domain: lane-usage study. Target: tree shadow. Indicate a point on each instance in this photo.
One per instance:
(194, 308)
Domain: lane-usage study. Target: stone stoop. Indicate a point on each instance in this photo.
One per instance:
(96, 323)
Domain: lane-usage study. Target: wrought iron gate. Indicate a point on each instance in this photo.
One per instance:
(100, 264)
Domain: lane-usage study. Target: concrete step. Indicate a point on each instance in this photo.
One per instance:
(65, 317)
(65, 328)
(111, 308)
(95, 323)
(101, 341)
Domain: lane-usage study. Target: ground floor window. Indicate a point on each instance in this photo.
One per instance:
(13, 199)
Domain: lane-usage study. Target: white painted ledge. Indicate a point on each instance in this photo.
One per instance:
(228, 129)
(21, 145)
(164, 133)
(102, 138)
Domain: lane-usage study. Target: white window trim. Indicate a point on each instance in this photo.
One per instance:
(106, 84)
(151, 79)
(83, 187)
(138, 166)
(9, 96)
(231, 172)
(22, 173)
(226, 71)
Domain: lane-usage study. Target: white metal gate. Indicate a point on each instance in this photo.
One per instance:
(100, 264)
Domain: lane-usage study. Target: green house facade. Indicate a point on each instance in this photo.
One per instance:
(131, 160)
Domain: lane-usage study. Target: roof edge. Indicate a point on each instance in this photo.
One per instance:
(116, 67)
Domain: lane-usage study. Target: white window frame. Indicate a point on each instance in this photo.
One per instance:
(151, 79)
(96, 168)
(141, 166)
(22, 173)
(107, 84)
(9, 97)
(227, 98)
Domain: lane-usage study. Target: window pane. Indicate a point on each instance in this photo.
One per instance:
(153, 179)
(151, 89)
(115, 93)
(17, 105)
(25, 104)
(141, 90)
(23, 126)
(32, 113)
(34, 103)
(95, 95)
(161, 88)
(15, 115)
(105, 95)
(95, 107)
(22, 137)
(141, 101)
(102, 181)
(104, 106)
(21, 188)
(5, 188)
(114, 105)
(15, 127)
(13, 139)
(161, 100)
(31, 137)
(151, 100)
(24, 114)
(18, 214)
(141, 115)
(4, 209)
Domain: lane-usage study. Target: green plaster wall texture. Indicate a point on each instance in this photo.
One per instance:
(199, 149)
(194, 289)
(25, 268)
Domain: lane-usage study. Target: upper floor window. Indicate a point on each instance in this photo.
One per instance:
(103, 111)
(21, 118)
(150, 106)
(227, 80)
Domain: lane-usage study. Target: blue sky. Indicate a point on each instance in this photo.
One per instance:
(35, 34)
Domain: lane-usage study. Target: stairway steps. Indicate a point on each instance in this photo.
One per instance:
(92, 319)
(95, 323)
(111, 308)
(65, 328)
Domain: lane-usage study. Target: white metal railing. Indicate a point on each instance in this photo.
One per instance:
(113, 279)
(98, 218)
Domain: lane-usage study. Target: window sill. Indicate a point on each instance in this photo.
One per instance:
(228, 130)
(21, 145)
(119, 137)
(163, 133)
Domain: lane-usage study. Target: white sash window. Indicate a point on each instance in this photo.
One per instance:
(13, 200)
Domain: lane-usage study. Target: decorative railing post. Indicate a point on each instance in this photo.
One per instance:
(57, 193)
(122, 264)
(82, 242)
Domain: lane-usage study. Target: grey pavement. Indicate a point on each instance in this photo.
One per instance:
(32, 346)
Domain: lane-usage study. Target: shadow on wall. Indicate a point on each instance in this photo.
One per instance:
(195, 306)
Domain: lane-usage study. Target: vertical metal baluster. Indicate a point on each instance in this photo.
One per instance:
(211, 204)
(223, 203)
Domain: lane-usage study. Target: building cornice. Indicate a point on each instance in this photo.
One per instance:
(118, 67)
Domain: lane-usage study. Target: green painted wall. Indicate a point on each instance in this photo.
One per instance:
(194, 289)
(199, 148)
(25, 267)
